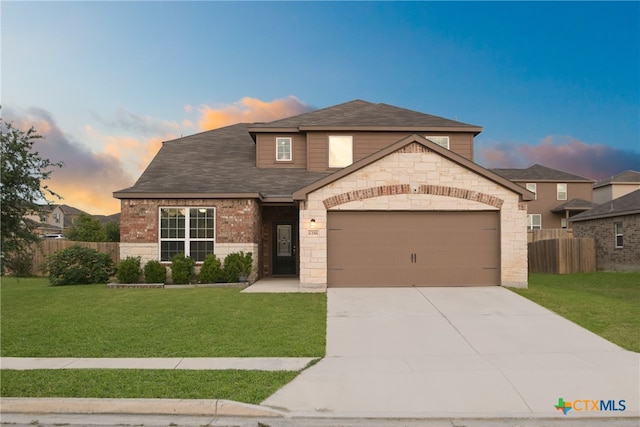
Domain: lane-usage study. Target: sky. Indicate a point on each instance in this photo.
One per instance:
(553, 83)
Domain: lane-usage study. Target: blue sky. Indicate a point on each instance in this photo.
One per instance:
(555, 83)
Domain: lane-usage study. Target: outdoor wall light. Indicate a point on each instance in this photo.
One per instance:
(313, 223)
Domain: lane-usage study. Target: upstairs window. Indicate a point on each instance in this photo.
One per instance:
(189, 231)
(618, 234)
(534, 222)
(561, 191)
(533, 187)
(340, 151)
(442, 141)
(284, 149)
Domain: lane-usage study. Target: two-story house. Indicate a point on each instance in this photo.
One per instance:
(54, 219)
(358, 194)
(559, 195)
(617, 186)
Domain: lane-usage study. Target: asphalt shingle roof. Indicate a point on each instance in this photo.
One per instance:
(360, 113)
(574, 205)
(222, 161)
(624, 177)
(539, 173)
(217, 161)
(626, 205)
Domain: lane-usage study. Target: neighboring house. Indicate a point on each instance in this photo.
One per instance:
(616, 186)
(62, 216)
(615, 226)
(559, 195)
(55, 219)
(358, 194)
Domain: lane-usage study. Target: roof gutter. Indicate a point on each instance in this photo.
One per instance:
(131, 195)
(604, 215)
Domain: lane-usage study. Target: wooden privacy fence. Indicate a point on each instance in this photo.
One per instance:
(47, 247)
(549, 233)
(562, 256)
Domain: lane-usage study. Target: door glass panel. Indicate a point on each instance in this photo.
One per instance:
(284, 240)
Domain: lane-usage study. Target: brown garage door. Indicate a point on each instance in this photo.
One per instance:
(413, 249)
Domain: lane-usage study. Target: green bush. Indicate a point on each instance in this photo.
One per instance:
(182, 269)
(211, 271)
(129, 270)
(18, 264)
(154, 272)
(237, 264)
(76, 265)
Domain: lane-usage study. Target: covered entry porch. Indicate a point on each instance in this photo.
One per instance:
(279, 241)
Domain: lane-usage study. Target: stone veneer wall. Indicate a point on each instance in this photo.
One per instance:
(608, 257)
(237, 226)
(413, 178)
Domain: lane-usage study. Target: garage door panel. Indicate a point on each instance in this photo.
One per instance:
(413, 248)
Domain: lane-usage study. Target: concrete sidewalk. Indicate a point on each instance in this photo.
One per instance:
(191, 363)
(457, 352)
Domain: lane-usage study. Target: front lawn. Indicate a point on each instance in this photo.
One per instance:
(38, 320)
(242, 386)
(604, 303)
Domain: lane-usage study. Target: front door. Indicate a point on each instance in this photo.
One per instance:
(284, 248)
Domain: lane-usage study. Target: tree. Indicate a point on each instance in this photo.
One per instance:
(22, 186)
(86, 229)
(112, 231)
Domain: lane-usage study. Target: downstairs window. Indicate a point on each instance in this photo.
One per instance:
(618, 234)
(534, 222)
(188, 231)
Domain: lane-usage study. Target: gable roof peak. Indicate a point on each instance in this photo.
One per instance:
(359, 114)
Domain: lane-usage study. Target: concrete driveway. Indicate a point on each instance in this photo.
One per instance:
(458, 352)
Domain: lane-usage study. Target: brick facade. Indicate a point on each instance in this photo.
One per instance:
(237, 225)
(418, 180)
(608, 257)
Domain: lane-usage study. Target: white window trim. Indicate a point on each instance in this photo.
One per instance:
(530, 222)
(187, 239)
(290, 140)
(562, 195)
(444, 140)
(533, 187)
(333, 166)
(616, 234)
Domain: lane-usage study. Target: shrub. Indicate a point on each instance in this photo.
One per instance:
(211, 270)
(76, 265)
(18, 264)
(129, 270)
(237, 264)
(182, 269)
(154, 272)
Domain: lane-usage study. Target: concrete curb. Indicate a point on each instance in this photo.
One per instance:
(213, 407)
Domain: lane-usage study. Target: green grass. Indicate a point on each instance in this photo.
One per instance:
(242, 386)
(38, 320)
(607, 304)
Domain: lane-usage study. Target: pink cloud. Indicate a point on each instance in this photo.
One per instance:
(87, 179)
(596, 161)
